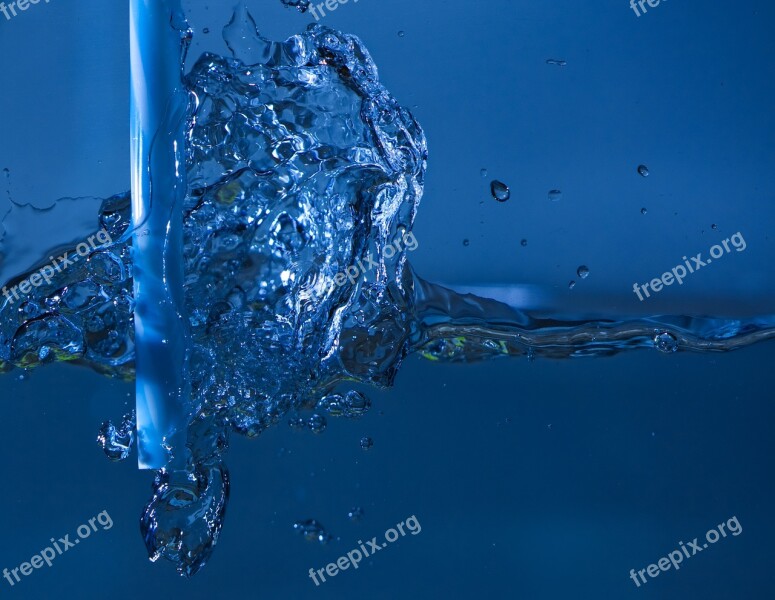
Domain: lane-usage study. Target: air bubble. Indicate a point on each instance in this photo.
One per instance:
(355, 514)
(500, 191)
(312, 531)
(666, 342)
(116, 442)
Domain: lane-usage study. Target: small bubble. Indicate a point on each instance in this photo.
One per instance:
(401, 33)
(355, 514)
(500, 191)
(714, 226)
(466, 242)
(524, 242)
(312, 531)
(317, 424)
(583, 271)
(555, 195)
(643, 211)
(352, 405)
(366, 443)
(665, 342)
(643, 170)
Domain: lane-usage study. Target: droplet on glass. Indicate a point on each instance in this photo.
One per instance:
(643, 211)
(555, 195)
(556, 62)
(483, 172)
(466, 242)
(571, 285)
(583, 271)
(366, 443)
(643, 170)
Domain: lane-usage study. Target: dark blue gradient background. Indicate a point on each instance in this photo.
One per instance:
(537, 480)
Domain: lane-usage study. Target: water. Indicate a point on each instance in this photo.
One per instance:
(284, 193)
(158, 43)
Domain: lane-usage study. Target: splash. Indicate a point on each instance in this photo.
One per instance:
(300, 164)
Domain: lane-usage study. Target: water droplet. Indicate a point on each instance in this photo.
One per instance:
(643, 211)
(555, 195)
(466, 242)
(401, 33)
(312, 531)
(500, 191)
(206, 30)
(572, 285)
(583, 271)
(366, 443)
(643, 170)
(355, 514)
(665, 342)
(714, 226)
(524, 242)
(556, 62)
(483, 173)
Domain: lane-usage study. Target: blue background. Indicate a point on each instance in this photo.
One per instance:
(545, 479)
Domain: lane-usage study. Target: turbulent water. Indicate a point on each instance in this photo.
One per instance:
(304, 178)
